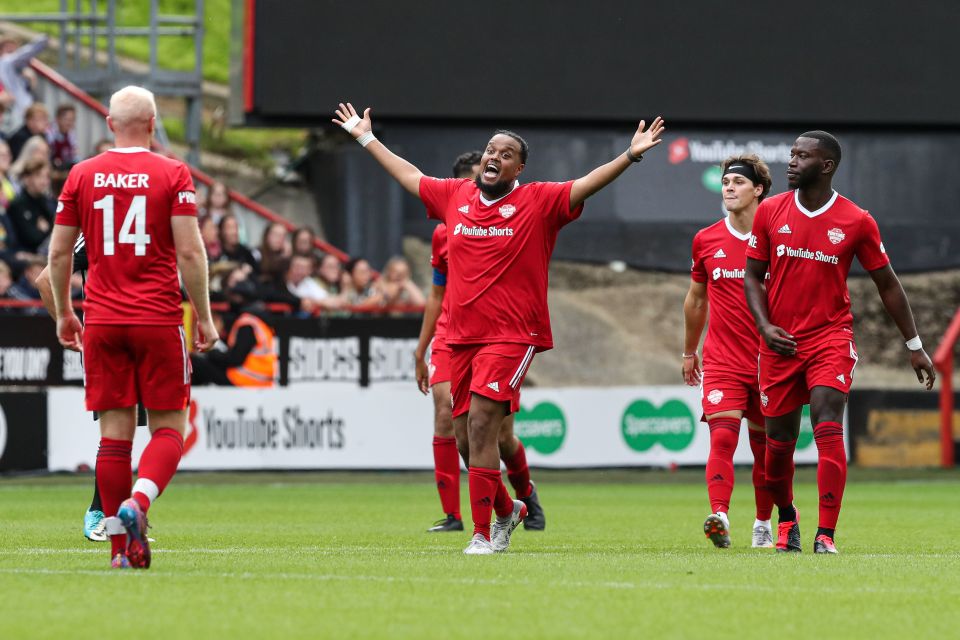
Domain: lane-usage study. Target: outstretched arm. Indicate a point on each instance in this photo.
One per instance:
(756, 292)
(603, 175)
(402, 171)
(898, 307)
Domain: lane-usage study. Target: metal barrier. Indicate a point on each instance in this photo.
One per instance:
(54, 89)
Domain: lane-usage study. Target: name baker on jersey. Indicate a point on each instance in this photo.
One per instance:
(482, 232)
(806, 254)
(121, 180)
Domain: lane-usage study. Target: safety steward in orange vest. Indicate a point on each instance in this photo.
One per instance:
(260, 366)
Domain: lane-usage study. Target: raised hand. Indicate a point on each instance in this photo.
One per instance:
(644, 140)
(346, 112)
(921, 364)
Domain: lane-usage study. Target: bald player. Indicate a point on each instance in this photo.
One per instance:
(137, 211)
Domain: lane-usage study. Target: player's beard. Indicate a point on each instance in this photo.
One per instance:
(496, 190)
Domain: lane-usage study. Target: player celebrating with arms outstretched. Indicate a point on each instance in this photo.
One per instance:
(500, 236)
(138, 214)
(728, 380)
(807, 238)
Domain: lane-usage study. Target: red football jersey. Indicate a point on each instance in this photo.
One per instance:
(123, 200)
(438, 259)
(719, 259)
(810, 253)
(499, 252)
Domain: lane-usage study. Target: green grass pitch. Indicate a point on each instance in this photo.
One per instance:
(346, 556)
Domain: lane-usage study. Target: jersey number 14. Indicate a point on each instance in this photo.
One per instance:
(136, 217)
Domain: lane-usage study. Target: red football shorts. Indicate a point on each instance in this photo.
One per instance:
(126, 364)
(726, 390)
(785, 381)
(439, 364)
(493, 371)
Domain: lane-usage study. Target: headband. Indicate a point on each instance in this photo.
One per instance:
(745, 170)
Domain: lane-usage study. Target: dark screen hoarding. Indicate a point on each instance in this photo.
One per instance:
(754, 62)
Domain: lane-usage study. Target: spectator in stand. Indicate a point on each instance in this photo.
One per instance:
(358, 286)
(231, 247)
(6, 279)
(102, 147)
(24, 288)
(32, 212)
(330, 274)
(301, 290)
(275, 249)
(63, 140)
(17, 79)
(395, 286)
(211, 238)
(7, 191)
(36, 149)
(36, 121)
(217, 201)
(304, 242)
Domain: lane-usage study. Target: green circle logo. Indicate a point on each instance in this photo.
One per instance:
(712, 179)
(542, 428)
(805, 438)
(671, 425)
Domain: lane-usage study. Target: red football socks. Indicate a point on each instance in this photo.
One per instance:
(113, 480)
(446, 470)
(831, 471)
(779, 471)
(157, 466)
(758, 445)
(518, 472)
(502, 502)
(483, 490)
(724, 434)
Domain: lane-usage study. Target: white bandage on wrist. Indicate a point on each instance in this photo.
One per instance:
(914, 343)
(366, 138)
(351, 122)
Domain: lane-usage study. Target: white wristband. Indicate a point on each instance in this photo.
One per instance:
(351, 122)
(914, 343)
(366, 138)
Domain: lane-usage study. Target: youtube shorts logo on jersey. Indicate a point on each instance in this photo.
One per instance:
(679, 150)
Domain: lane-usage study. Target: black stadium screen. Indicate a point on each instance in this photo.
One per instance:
(755, 63)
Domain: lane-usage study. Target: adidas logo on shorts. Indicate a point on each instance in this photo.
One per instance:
(495, 386)
(720, 254)
(784, 229)
(842, 379)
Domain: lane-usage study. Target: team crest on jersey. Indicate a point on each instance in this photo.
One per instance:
(507, 210)
(836, 236)
(464, 209)
(715, 396)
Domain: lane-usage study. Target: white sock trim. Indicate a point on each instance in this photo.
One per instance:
(147, 487)
(761, 523)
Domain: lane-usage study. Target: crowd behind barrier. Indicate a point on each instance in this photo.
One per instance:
(250, 256)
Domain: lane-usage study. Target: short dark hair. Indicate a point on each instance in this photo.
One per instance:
(65, 108)
(825, 141)
(463, 165)
(524, 148)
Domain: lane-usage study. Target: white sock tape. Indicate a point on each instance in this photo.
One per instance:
(914, 343)
(366, 138)
(113, 526)
(351, 123)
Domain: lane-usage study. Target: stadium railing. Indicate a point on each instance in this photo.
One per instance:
(943, 361)
(55, 89)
